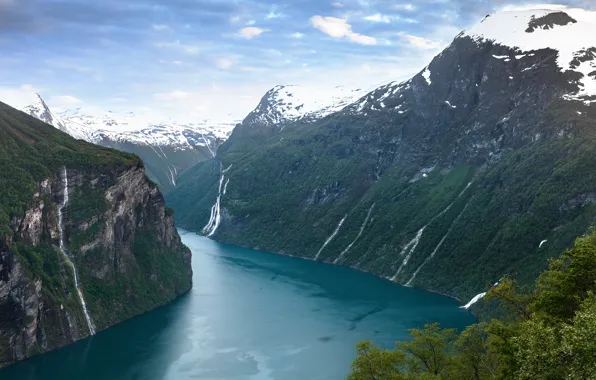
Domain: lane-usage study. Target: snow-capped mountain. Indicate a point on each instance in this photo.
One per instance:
(167, 147)
(531, 40)
(283, 104)
(447, 181)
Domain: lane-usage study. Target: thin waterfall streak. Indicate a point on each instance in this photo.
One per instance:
(331, 237)
(226, 187)
(434, 252)
(215, 218)
(416, 239)
(341, 255)
(412, 247)
(208, 146)
(65, 254)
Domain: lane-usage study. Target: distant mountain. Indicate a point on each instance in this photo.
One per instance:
(167, 148)
(479, 166)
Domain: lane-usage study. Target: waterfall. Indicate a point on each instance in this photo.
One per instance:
(215, 218)
(341, 255)
(433, 253)
(410, 248)
(65, 254)
(474, 300)
(414, 242)
(331, 237)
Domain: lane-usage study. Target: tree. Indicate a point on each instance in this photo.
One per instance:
(429, 349)
(374, 363)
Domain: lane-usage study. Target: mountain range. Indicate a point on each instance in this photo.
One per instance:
(476, 168)
(166, 147)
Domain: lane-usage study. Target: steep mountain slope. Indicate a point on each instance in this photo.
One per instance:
(477, 167)
(85, 239)
(167, 147)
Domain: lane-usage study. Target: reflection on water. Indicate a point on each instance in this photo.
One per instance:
(250, 315)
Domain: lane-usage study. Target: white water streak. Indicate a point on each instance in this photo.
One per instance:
(474, 300)
(215, 218)
(173, 179)
(416, 239)
(542, 243)
(65, 254)
(226, 187)
(434, 252)
(207, 145)
(411, 246)
(341, 255)
(331, 237)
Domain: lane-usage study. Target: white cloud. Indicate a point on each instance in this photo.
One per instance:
(160, 27)
(223, 63)
(234, 19)
(337, 4)
(420, 42)
(171, 96)
(251, 22)
(297, 35)
(339, 28)
(404, 7)
(251, 31)
(18, 97)
(378, 18)
(64, 100)
(273, 14)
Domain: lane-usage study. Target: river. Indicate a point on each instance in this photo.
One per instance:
(250, 316)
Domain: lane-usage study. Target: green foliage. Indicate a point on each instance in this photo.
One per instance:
(288, 191)
(33, 151)
(157, 275)
(374, 363)
(548, 333)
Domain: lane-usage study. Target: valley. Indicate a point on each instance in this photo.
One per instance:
(454, 208)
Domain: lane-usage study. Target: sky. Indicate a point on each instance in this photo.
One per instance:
(215, 59)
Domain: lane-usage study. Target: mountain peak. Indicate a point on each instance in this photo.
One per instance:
(287, 103)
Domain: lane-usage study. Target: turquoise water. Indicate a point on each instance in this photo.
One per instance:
(251, 315)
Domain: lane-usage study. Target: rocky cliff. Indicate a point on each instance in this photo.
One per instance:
(447, 181)
(87, 241)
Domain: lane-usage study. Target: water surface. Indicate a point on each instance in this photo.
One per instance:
(251, 315)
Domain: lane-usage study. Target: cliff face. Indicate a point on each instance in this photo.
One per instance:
(92, 245)
(447, 181)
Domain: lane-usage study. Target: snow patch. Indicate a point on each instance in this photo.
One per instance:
(426, 75)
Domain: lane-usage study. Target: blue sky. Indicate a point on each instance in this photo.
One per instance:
(190, 59)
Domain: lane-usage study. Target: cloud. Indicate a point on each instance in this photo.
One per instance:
(64, 101)
(339, 28)
(159, 27)
(378, 18)
(251, 32)
(273, 14)
(404, 7)
(420, 42)
(223, 63)
(171, 96)
(297, 35)
(337, 4)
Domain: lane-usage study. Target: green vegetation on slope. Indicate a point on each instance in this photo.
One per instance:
(32, 151)
(548, 333)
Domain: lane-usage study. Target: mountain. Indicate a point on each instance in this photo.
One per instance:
(86, 241)
(478, 167)
(167, 148)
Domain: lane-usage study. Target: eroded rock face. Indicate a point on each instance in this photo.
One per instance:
(105, 222)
